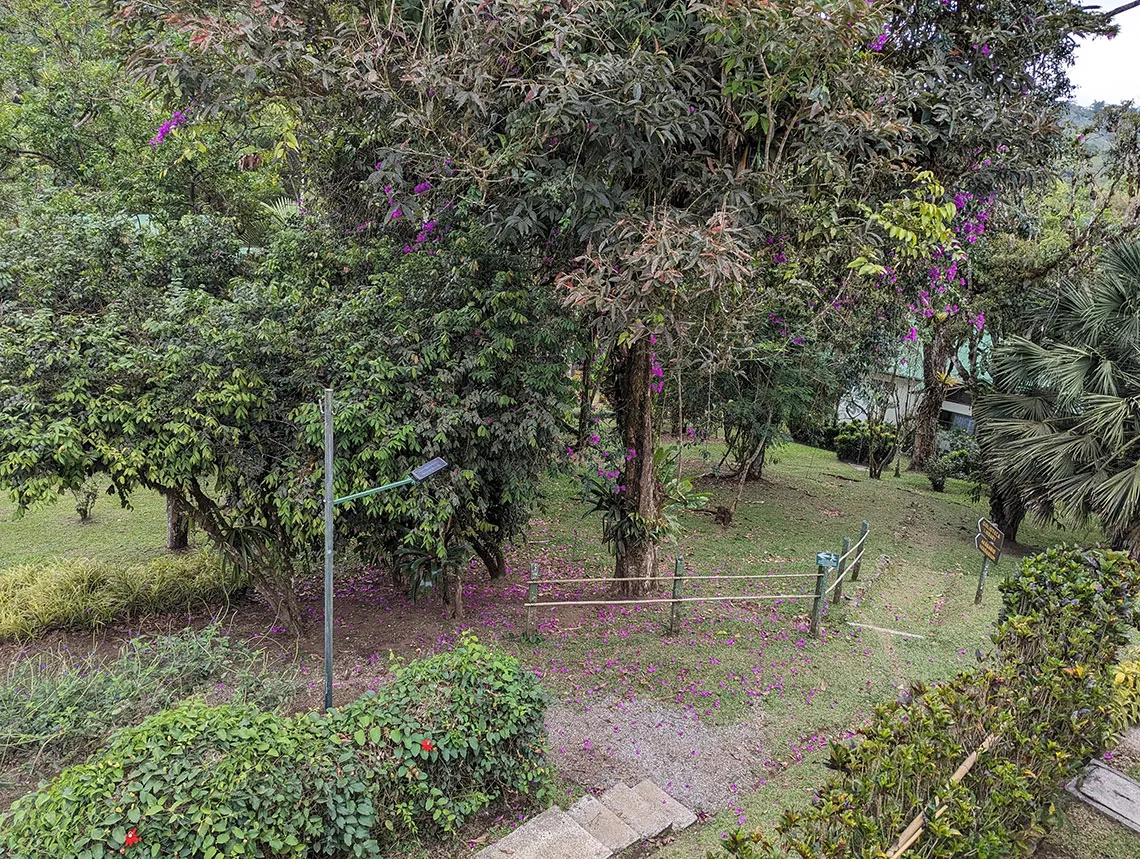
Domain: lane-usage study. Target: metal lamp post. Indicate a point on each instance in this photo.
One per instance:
(418, 475)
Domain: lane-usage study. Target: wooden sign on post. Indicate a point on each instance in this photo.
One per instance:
(989, 541)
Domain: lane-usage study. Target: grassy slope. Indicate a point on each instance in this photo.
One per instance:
(113, 533)
(808, 502)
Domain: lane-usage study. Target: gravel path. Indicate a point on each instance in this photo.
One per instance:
(701, 765)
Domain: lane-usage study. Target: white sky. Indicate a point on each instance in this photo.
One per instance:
(1107, 70)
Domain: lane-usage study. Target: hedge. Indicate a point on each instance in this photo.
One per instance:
(1047, 699)
(448, 736)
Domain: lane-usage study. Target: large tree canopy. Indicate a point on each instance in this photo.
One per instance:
(649, 153)
(154, 362)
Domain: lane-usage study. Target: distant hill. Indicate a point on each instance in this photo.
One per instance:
(1085, 120)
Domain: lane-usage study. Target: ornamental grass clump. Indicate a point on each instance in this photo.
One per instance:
(1045, 707)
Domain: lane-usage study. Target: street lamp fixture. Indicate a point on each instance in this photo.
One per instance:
(417, 475)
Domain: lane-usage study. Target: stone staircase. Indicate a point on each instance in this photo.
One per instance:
(594, 827)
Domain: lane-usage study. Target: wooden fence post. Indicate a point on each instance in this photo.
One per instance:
(532, 597)
(843, 562)
(822, 566)
(678, 583)
(862, 549)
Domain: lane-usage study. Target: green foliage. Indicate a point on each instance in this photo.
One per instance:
(1126, 695)
(853, 442)
(83, 593)
(451, 734)
(447, 737)
(57, 707)
(1047, 703)
(196, 781)
(195, 370)
(962, 452)
(1091, 595)
(938, 470)
(815, 431)
(622, 528)
(1059, 430)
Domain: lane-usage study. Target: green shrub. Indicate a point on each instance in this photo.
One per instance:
(56, 708)
(82, 593)
(960, 449)
(1126, 695)
(201, 781)
(450, 735)
(937, 471)
(814, 432)
(1047, 703)
(853, 442)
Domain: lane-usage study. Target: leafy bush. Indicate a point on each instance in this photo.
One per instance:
(814, 432)
(1047, 703)
(56, 708)
(199, 781)
(937, 471)
(960, 450)
(1126, 695)
(449, 735)
(853, 442)
(81, 593)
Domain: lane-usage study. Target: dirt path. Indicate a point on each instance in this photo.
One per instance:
(703, 766)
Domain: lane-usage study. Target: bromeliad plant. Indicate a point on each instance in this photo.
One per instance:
(622, 528)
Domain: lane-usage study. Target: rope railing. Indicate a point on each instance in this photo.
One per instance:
(825, 563)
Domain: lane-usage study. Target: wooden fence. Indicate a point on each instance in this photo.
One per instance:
(846, 564)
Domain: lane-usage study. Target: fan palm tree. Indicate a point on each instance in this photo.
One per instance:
(1061, 428)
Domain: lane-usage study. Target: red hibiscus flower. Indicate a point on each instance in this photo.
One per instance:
(132, 837)
(427, 745)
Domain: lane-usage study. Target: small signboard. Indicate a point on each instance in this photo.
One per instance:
(989, 540)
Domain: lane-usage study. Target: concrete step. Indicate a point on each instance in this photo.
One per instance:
(680, 816)
(551, 835)
(589, 813)
(643, 816)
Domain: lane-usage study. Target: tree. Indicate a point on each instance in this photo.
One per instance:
(1060, 431)
(207, 390)
(613, 131)
(990, 89)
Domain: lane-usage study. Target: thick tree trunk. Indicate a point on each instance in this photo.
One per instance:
(1006, 511)
(491, 554)
(935, 357)
(636, 563)
(177, 526)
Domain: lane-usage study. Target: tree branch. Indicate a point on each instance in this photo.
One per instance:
(1113, 13)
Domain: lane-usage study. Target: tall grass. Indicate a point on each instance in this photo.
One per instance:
(84, 593)
(57, 707)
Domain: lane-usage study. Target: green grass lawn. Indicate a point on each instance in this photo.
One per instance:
(112, 534)
(807, 503)
(732, 659)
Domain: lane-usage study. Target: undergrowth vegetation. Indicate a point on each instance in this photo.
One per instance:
(57, 707)
(85, 593)
(1036, 715)
(449, 736)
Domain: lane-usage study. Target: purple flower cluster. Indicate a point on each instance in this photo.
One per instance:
(176, 119)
